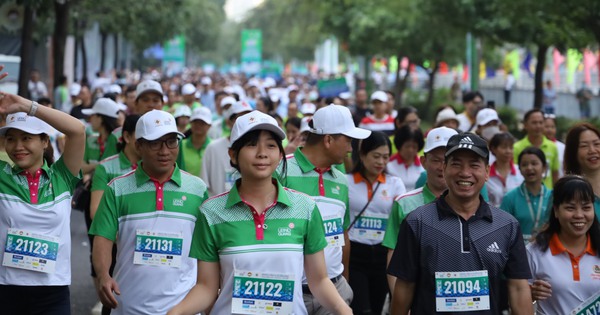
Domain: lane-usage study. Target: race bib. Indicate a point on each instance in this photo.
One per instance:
(334, 231)
(590, 306)
(262, 293)
(31, 251)
(369, 227)
(158, 249)
(462, 291)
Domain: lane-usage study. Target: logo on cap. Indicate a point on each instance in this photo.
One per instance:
(251, 119)
(157, 122)
(466, 143)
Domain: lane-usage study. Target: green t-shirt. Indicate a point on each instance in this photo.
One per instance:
(515, 203)
(110, 168)
(549, 149)
(401, 207)
(190, 157)
(110, 147)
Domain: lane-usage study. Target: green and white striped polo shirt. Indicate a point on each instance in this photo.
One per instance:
(403, 205)
(230, 232)
(49, 217)
(134, 206)
(330, 192)
(110, 168)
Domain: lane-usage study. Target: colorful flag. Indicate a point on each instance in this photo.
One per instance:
(558, 59)
(573, 60)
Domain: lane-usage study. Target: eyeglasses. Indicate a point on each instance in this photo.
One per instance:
(171, 143)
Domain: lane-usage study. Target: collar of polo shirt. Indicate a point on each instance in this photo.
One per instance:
(444, 210)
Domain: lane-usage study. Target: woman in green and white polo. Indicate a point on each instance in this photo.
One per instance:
(255, 241)
(35, 208)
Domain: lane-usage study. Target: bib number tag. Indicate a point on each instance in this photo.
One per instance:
(158, 249)
(462, 291)
(334, 231)
(30, 251)
(262, 293)
(369, 228)
(590, 306)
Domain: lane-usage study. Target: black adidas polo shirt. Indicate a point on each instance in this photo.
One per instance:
(433, 238)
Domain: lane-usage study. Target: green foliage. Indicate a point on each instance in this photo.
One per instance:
(510, 118)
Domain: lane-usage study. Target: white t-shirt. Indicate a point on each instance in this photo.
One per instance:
(407, 173)
(464, 124)
(217, 173)
(370, 227)
(570, 287)
(37, 90)
(498, 188)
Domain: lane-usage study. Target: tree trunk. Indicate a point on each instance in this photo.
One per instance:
(116, 52)
(402, 85)
(539, 76)
(397, 91)
(61, 10)
(431, 88)
(26, 51)
(103, 36)
(84, 64)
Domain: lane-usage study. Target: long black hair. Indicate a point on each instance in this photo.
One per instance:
(567, 189)
(374, 141)
(129, 127)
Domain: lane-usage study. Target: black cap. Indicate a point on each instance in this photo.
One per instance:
(468, 141)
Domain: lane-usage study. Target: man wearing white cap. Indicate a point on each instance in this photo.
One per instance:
(432, 161)
(310, 171)
(308, 109)
(217, 172)
(153, 210)
(380, 120)
(220, 126)
(149, 96)
(207, 94)
(182, 117)
(193, 147)
(188, 95)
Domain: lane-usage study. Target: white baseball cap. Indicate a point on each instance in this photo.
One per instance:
(238, 108)
(438, 137)
(304, 124)
(202, 113)
(103, 106)
(308, 108)
(346, 95)
(75, 89)
(182, 110)
(206, 81)
(155, 124)
(114, 88)
(446, 114)
(379, 96)
(148, 86)
(228, 100)
(269, 82)
(486, 115)
(337, 119)
(188, 89)
(228, 89)
(26, 123)
(254, 120)
(292, 87)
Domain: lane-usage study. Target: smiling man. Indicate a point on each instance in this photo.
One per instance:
(153, 210)
(456, 250)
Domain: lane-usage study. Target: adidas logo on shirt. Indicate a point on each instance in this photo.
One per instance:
(466, 143)
(493, 248)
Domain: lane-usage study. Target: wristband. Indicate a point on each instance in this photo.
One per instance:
(33, 109)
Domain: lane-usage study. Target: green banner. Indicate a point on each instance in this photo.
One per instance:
(332, 88)
(251, 52)
(174, 55)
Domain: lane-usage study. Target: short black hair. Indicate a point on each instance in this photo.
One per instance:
(535, 151)
(470, 96)
(531, 112)
(405, 134)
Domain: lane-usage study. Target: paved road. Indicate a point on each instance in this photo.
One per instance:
(83, 294)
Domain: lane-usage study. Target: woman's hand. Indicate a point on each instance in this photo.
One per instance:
(541, 290)
(10, 103)
(2, 75)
